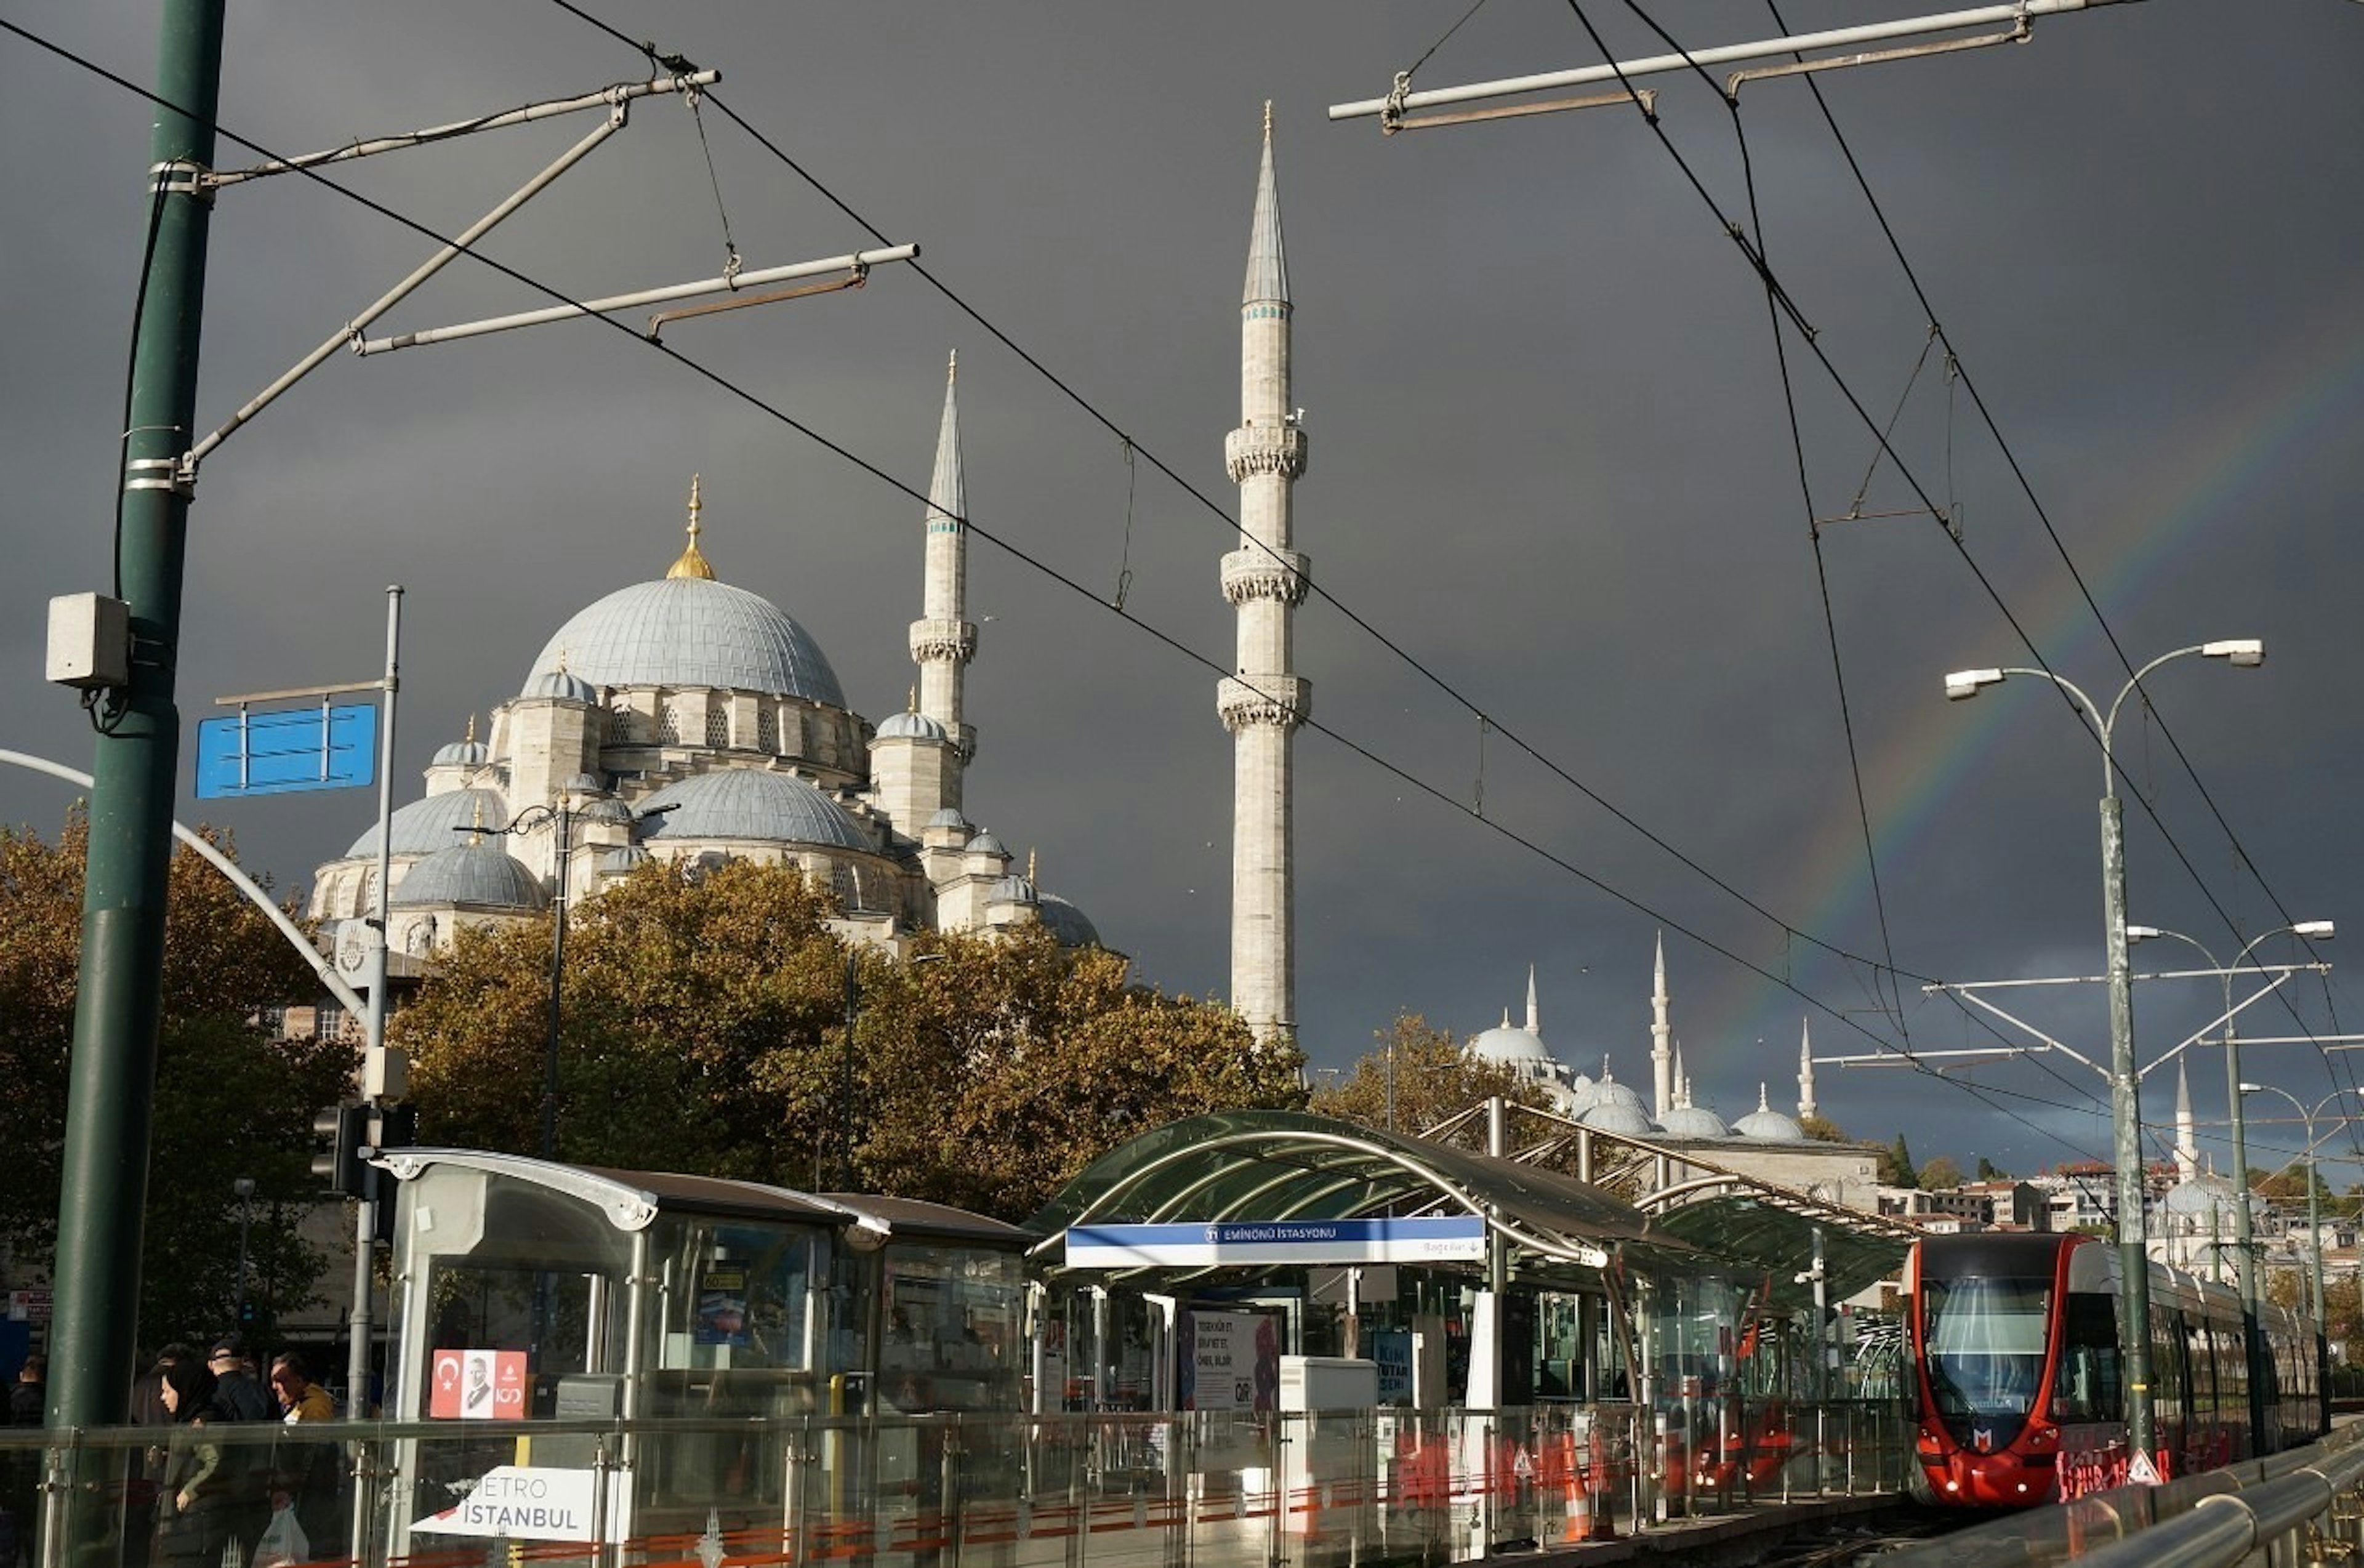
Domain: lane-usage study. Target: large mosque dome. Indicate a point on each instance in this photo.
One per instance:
(427, 826)
(689, 631)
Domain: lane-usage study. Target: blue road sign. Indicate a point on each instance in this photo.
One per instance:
(1200, 1245)
(287, 749)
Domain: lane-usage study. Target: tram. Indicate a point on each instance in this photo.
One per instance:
(2020, 1385)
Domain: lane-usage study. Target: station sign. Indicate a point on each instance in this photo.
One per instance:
(525, 1502)
(284, 750)
(1237, 1242)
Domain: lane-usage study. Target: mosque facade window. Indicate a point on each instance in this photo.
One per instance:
(767, 728)
(669, 722)
(717, 724)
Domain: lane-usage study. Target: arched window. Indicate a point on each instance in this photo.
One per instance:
(620, 723)
(669, 723)
(717, 726)
(767, 728)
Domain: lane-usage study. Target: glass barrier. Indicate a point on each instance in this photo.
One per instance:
(935, 1491)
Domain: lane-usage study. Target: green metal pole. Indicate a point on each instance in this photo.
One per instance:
(111, 1096)
(2125, 1115)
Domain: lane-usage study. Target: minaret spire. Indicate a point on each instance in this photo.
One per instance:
(1662, 1066)
(944, 640)
(1535, 1019)
(1264, 581)
(1806, 1069)
(2187, 1137)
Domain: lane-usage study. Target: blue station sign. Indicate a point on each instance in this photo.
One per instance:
(1457, 1239)
(287, 749)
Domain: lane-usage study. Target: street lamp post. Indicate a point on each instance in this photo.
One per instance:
(2125, 1108)
(2313, 1194)
(244, 1188)
(2244, 1227)
(559, 818)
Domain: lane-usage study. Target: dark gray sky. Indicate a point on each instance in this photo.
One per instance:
(1550, 460)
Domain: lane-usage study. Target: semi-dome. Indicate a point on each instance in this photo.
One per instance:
(1013, 890)
(426, 827)
(1507, 1045)
(1695, 1121)
(1766, 1125)
(1070, 925)
(751, 803)
(473, 875)
(691, 631)
(912, 726)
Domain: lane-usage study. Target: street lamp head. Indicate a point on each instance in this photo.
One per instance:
(2249, 1088)
(243, 1187)
(2143, 933)
(2321, 930)
(1964, 683)
(2242, 652)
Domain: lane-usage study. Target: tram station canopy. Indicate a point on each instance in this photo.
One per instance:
(1260, 1166)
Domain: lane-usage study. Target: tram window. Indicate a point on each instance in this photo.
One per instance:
(1983, 1340)
(2088, 1387)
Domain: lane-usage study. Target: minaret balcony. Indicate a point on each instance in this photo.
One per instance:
(1282, 701)
(1266, 449)
(934, 641)
(1255, 574)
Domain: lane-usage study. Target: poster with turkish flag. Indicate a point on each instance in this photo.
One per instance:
(478, 1385)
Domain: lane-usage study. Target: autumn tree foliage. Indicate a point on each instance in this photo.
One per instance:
(703, 1032)
(1419, 1076)
(232, 1098)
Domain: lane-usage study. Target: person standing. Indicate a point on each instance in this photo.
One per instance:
(195, 1507)
(26, 1399)
(307, 1476)
(246, 1465)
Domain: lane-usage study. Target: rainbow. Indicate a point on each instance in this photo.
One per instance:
(2308, 388)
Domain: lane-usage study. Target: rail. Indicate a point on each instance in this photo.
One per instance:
(2305, 1505)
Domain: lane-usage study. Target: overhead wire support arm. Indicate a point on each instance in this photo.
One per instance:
(605, 97)
(1393, 106)
(352, 332)
(859, 261)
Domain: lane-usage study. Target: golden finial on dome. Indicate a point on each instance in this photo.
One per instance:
(479, 829)
(911, 702)
(691, 563)
(1030, 865)
(472, 729)
(1267, 119)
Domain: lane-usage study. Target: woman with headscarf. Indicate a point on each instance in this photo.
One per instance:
(195, 1507)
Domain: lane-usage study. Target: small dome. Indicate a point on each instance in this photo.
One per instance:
(1617, 1116)
(910, 726)
(1610, 1092)
(985, 843)
(1013, 890)
(1766, 1125)
(1509, 1046)
(474, 874)
(462, 754)
(426, 827)
(693, 632)
(1069, 923)
(949, 816)
(564, 685)
(2206, 1192)
(748, 803)
(606, 809)
(1695, 1121)
(1581, 1092)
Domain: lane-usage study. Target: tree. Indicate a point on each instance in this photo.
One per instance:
(1990, 1172)
(1433, 1075)
(233, 1099)
(1896, 1165)
(1940, 1175)
(1821, 1129)
(986, 1070)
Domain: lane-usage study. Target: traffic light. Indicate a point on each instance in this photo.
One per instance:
(338, 1133)
(397, 1127)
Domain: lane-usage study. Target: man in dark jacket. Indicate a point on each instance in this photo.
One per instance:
(236, 1395)
(239, 1396)
(25, 1400)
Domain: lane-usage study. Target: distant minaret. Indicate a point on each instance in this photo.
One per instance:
(2187, 1136)
(1805, 1068)
(1662, 1061)
(944, 640)
(1535, 1019)
(1264, 581)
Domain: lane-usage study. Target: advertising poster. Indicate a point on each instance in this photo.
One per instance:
(478, 1385)
(722, 1307)
(1230, 1361)
(1391, 1349)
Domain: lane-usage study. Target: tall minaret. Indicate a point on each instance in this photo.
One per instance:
(1806, 1069)
(1535, 1019)
(1662, 1061)
(1264, 581)
(2187, 1136)
(944, 641)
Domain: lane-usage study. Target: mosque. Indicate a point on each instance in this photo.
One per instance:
(1765, 1143)
(689, 720)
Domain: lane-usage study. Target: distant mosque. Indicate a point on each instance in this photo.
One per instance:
(1609, 1105)
(690, 721)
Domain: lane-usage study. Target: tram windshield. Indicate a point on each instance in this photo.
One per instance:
(1983, 1342)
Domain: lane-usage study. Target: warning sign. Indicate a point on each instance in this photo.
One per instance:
(478, 1385)
(2142, 1472)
